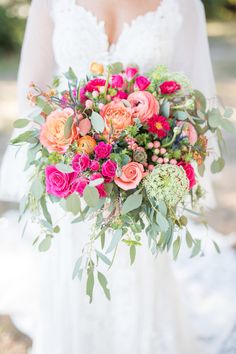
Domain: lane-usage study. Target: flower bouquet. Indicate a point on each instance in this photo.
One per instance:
(125, 151)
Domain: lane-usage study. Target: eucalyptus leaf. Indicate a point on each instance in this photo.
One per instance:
(77, 267)
(96, 182)
(45, 210)
(228, 125)
(217, 165)
(91, 196)
(116, 68)
(165, 109)
(21, 123)
(214, 118)
(68, 127)
(103, 282)
(70, 75)
(39, 119)
(162, 222)
(90, 286)
(228, 112)
(201, 169)
(201, 99)
(181, 115)
(73, 204)
(64, 168)
(196, 248)
(216, 247)
(189, 239)
(115, 239)
(97, 122)
(132, 253)
(42, 103)
(24, 137)
(103, 258)
(37, 189)
(45, 244)
(133, 202)
(176, 247)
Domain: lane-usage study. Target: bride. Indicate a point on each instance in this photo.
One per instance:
(146, 315)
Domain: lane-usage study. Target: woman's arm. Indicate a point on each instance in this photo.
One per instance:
(37, 60)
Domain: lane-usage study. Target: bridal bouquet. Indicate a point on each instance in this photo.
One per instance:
(124, 151)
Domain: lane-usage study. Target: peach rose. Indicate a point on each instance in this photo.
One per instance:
(52, 132)
(117, 117)
(144, 105)
(131, 176)
(86, 144)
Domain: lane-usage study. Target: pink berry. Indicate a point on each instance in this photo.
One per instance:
(95, 94)
(157, 144)
(173, 162)
(154, 158)
(89, 104)
(101, 105)
(163, 151)
(150, 145)
(166, 160)
(150, 167)
(160, 160)
(156, 151)
(108, 97)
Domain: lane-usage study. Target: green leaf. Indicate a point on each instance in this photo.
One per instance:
(70, 75)
(108, 188)
(116, 68)
(162, 207)
(228, 125)
(197, 248)
(45, 210)
(90, 286)
(37, 189)
(189, 239)
(162, 222)
(201, 169)
(24, 137)
(77, 267)
(181, 115)
(165, 109)
(45, 244)
(97, 122)
(96, 182)
(116, 237)
(214, 118)
(133, 202)
(228, 112)
(176, 247)
(68, 126)
(217, 165)
(103, 282)
(39, 119)
(216, 247)
(21, 123)
(73, 204)
(64, 168)
(132, 253)
(42, 103)
(103, 258)
(202, 100)
(91, 196)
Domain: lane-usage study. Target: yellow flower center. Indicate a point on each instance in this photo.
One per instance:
(159, 125)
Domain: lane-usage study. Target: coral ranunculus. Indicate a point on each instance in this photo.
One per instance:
(131, 176)
(86, 144)
(52, 132)
(144, 105)
(58, 183)
(158, 125)
(190, 173)
(117, 117)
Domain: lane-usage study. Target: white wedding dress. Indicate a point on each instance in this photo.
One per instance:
(146, 314)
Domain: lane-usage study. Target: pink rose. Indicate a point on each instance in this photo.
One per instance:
(144, 105)
(81, 162)
(109, 169)
(189, 131)
(130, 73)
(117, 81)
(95, 165)
(189, 170)
(142, 82)
(102, 150)
(100, 187)
(121, 95)
(169, 87)
(81, 184)
(58, 183)
(131, 176)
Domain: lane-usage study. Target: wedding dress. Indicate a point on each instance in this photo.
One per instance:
(146, 314)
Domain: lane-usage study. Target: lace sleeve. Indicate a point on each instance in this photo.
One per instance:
(37, 60)
(192, 55)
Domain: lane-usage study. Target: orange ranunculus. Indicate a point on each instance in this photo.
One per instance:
(86, 144)
(117, 117)
(144, 105)
(52, 132)
(131, 176)
(97, 68)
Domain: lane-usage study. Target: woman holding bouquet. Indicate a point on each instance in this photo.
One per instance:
(146, 314)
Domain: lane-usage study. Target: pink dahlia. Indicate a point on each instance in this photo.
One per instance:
(158, 125)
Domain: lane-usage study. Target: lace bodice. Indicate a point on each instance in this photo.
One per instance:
(80, 38)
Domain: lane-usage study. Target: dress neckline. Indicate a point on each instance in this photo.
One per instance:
(129, 25)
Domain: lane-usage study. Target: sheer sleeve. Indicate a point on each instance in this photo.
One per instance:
(37, 65)
(192, 54)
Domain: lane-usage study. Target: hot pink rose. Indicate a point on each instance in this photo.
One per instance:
(130, 73)
(100, 187)
(95, 165)
(117, 81)
(189, 131)
(169, 87)
(189, 170)
(58, 183)
(144, 105)
(142, 82)
(121, 95)
(131, 176)
(81, 184)
(102, 150)
(109, 169)
(81, 162)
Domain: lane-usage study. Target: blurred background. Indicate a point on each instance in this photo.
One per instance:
(221, 17)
